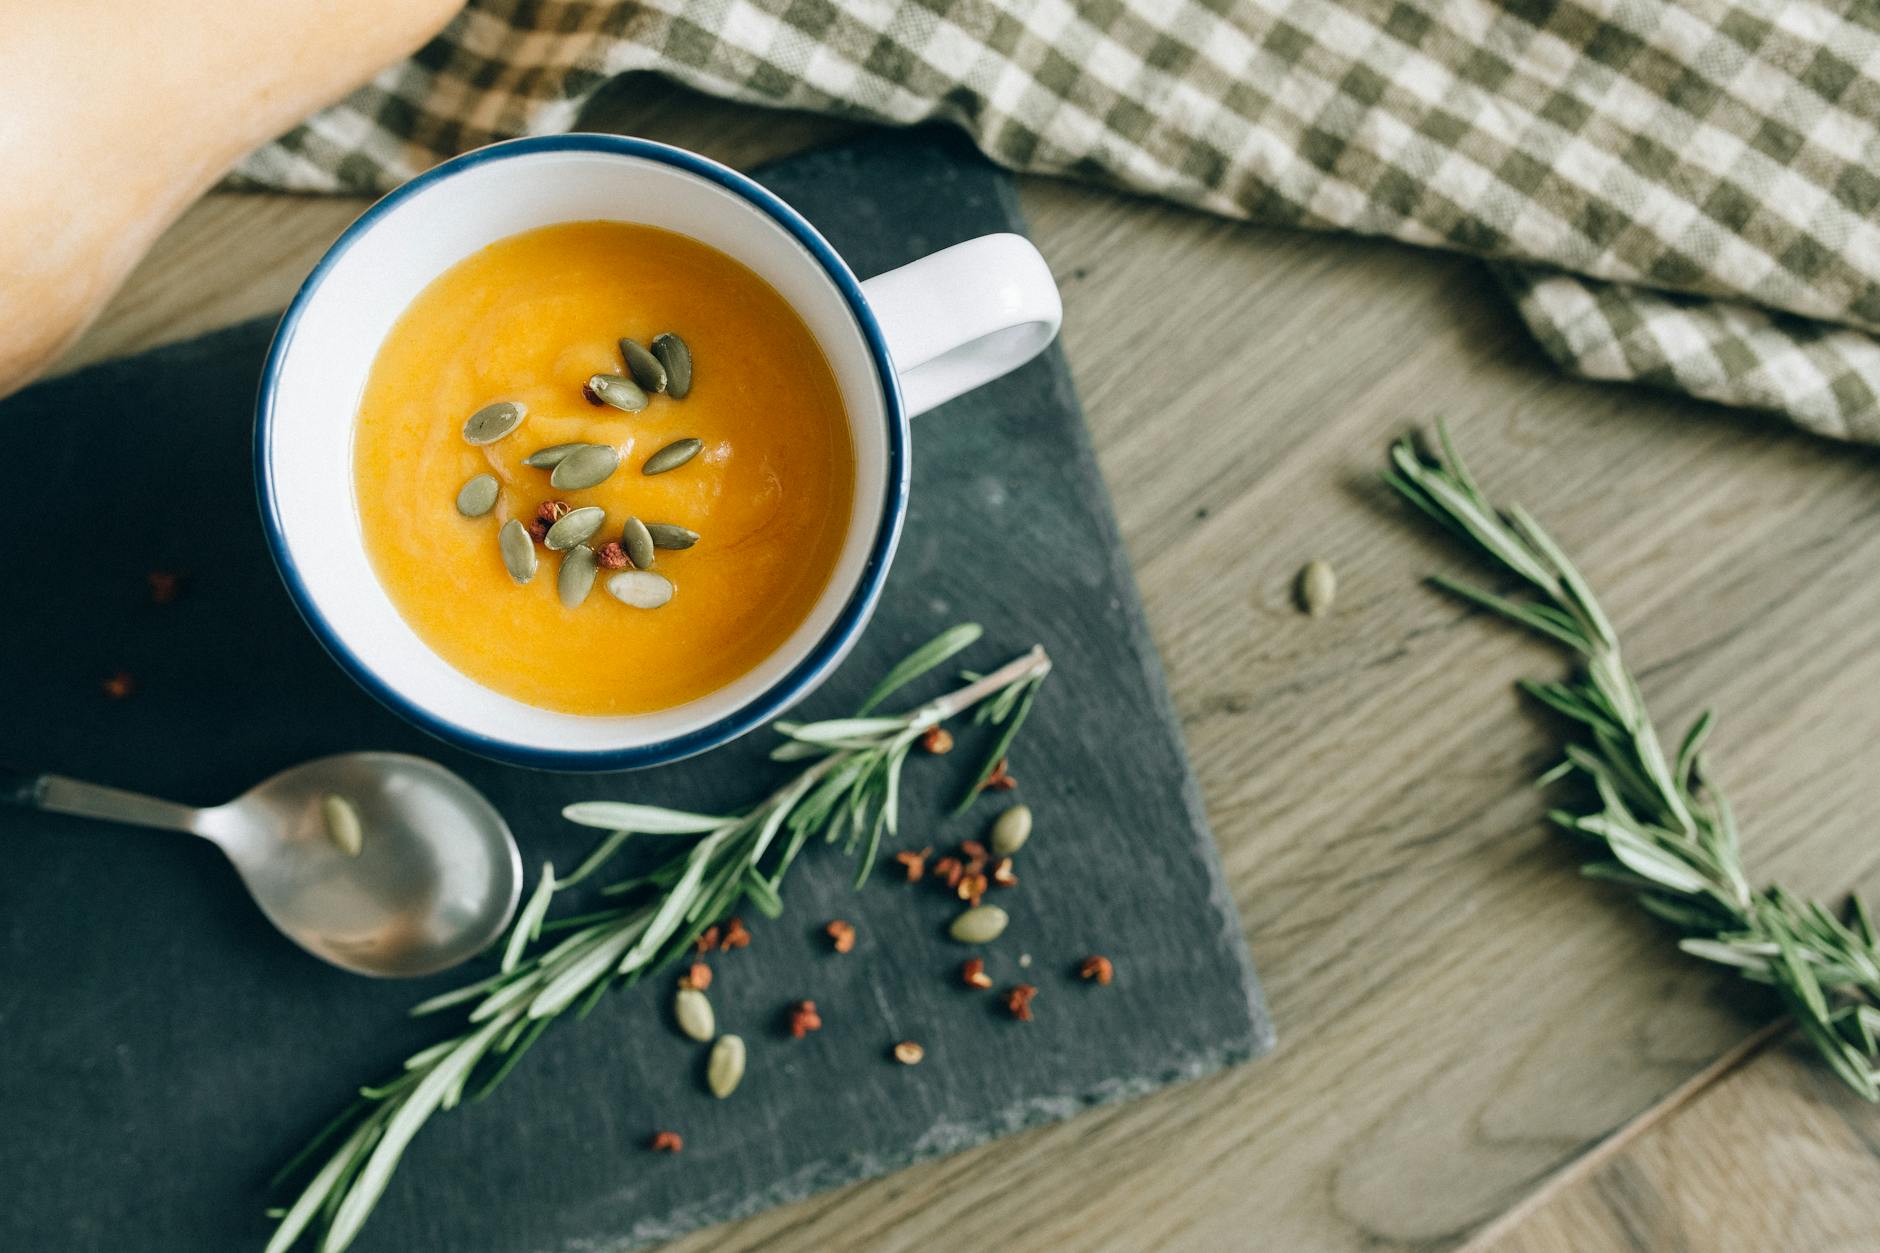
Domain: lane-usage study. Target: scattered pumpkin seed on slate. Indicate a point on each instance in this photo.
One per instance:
(724, 1069)
(1317, 586)
(342, 824)
(982, 924)
(677, 358)
(492, 422)
(584, 467)
(1011, 829)
(638, 542)
(666, 535)
(619, 391)
(550, 457)
(694, 1014)
(672, 456)
(640, 588)
(518, 550)
(577, 526)
(576, 578)
(477, 496)
(646, 369)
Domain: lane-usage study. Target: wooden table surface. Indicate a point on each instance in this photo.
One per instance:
(1477, 1047)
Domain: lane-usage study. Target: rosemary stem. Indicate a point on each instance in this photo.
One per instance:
(1031, 665)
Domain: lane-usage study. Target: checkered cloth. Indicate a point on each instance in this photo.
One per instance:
(1676, 193)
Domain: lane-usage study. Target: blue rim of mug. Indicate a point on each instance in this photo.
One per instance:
(805, 675)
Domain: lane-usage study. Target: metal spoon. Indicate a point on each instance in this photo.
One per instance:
(435, 881)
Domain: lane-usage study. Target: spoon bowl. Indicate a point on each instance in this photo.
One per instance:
(435, 881)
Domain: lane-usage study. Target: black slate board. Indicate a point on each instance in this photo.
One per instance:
(165, 1051)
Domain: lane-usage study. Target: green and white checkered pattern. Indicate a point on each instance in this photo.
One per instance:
(1682, 194)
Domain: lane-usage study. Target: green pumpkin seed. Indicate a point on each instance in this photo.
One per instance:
(576, 577)
(550, 457)
(577, 526)
(619, 391)
(1317, 586)
(477, 496)
(643, 365)
(694, 1014)
(342, 824)
(724, 1069)
(638, 543)
(518, 550)
(666, 535)
(584, 467)
(1011, 829)
(640, 588)
(980, 925)
(492, 422)
(672, 456)
(677, 358)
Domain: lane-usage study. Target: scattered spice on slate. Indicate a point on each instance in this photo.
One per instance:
(1099, 969)
(707, 940)
(975, 854)
(937, 740)
(972, 887)
(908, 1053)
(120, 686)
(697, 975)
(1018, 1001)
(165, 586)
(973, 973)
(735, 935)
(948, 870)
(1000, 780)
(914, 863)
(841, 936)
(667, 1142)
(1003, 876)
(611, 556)
(803, 1019)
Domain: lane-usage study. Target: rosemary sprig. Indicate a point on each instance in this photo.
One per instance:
(1662, 826)
(850, 791)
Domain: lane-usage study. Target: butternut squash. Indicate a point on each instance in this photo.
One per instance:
(116, 114)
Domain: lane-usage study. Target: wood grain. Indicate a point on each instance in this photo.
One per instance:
(1460, 1016)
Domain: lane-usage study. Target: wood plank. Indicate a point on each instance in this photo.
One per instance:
(1459, 1014)
(1777, 1156)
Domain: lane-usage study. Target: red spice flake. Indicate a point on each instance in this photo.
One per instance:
(948, 871)
(915, 863)
(973, 973)
(804, 1019)
(551, 511)
(1099, 968)
(735, 935)
(1018, 1001)
(937, 740)
(973, 849)
(590, 395)
(667, 1142)
(697, 976)
(120, 686)
(707, 940)
(841, 935)
(611, 556)
(971, 888)
(165, 586)
(1000, 780)
(1003, 875)
(538, 530)
(909, 1053)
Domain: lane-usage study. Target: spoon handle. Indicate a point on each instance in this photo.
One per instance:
(61, 795)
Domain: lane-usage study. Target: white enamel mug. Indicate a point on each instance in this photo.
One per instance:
(898, 344)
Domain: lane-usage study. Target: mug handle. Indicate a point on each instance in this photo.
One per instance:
(965, 315)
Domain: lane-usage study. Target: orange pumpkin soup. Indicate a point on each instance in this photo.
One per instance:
(529, 320)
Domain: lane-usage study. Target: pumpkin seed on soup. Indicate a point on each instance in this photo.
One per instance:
(638, 542)
(576, 577)
(477, 496)
(619, 391)
(677, 358)
(492, 422)
(672, 456)
(645, 368)
(640, 588)
(518, 550)
(584, 467)
(576, 526)
(550, 457)
(666, 535)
